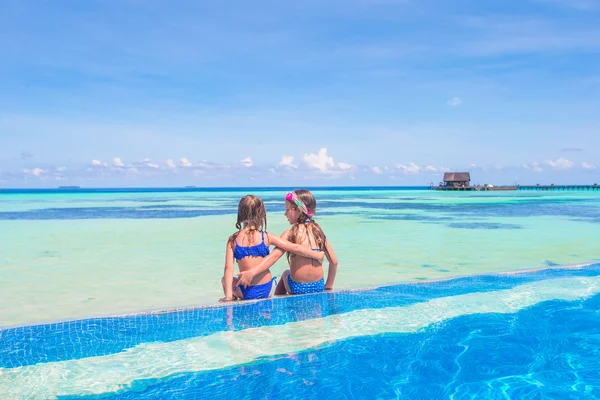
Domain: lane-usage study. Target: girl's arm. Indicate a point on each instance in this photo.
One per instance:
(295, 248)
(333, 264)
(228, 274)
(244, 278)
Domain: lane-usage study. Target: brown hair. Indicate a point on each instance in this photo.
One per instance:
(296, 234)
(252, 213)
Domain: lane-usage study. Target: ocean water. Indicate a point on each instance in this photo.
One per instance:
(74, 254)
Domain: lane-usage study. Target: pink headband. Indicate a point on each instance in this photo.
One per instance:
(291, 196)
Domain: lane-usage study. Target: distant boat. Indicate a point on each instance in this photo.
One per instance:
(69, 187)
(190, 187)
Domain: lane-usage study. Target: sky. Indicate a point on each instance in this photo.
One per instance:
(132, 93)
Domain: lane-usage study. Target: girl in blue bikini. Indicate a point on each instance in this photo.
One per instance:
(248, 246)
(306, 274)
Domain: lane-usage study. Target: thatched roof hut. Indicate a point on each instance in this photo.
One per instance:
(457, 177)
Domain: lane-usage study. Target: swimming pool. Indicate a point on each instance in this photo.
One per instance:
(533, 334)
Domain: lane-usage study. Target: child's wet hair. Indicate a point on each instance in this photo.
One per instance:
(295, 236)
(307, 198)
(251, 213)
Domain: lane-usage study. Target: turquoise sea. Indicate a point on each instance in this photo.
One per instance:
(68, 254)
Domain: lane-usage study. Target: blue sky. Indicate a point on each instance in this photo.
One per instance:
(266, 93)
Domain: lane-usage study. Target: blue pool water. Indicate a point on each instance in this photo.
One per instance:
(549, 351)
(526, 335)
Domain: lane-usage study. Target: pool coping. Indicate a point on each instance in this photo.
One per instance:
(188, 307)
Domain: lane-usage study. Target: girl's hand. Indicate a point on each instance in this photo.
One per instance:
(321, 257)
(227, 299)
(245, 278)
(328, 288)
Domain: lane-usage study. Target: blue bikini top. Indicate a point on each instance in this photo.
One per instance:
(259, 250)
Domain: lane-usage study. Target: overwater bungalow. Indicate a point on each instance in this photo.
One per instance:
(456, 181)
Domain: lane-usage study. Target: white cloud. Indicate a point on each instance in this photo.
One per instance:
(170, 163)
(184, 162)
(344, 166)
(586, 165)
(410, 169)
(413, 168)
(376, 170)
(35, 171)
(455, 101)
(247, 162)
(320, 161)
(146, 162)
(61, 169)
(561, 163)
(534, 166)
(97, 163)
(324, 163)
(117, 162)
(287, 161)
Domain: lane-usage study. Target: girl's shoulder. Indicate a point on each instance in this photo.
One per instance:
(233, 237)
(248, 238)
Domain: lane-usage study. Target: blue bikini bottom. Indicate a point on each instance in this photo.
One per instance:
(305, 288)
(262, 291)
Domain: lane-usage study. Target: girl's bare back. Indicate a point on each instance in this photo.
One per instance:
(305, 269)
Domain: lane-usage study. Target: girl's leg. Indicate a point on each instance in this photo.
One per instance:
(236, 289)
(237, 293)
(223, 284)
(282, 286)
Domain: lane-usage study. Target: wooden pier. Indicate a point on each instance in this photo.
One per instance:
(453, 189)
(461, 181)
(562, 188)
(553, 187)
(486, 188)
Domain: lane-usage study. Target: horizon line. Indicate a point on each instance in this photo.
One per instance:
(191, 188)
